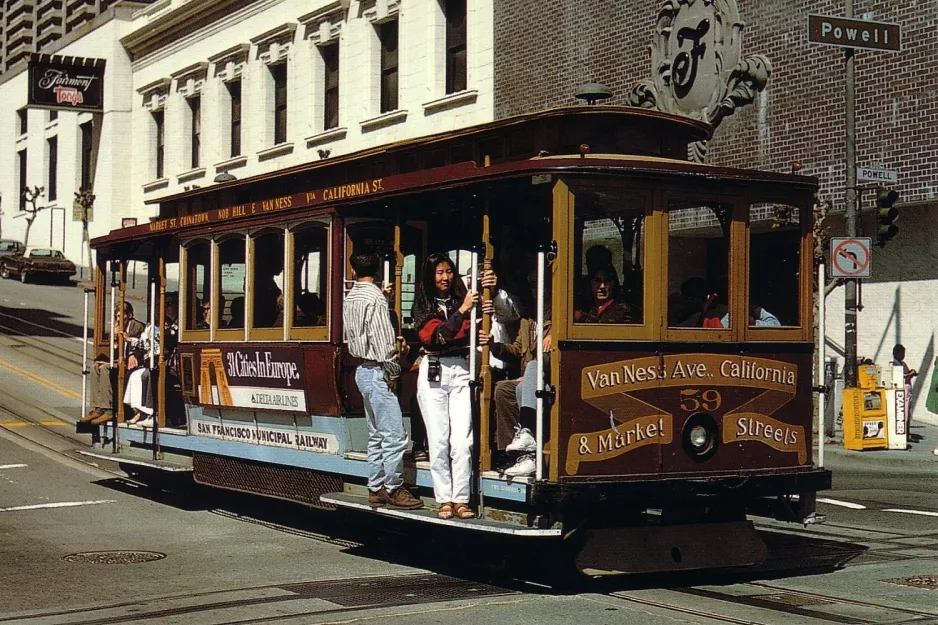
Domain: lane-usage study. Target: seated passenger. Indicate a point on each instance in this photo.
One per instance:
(312, 312)
(236, 321)
(605, 306)
(139, 392)
(102, 390)
(204, 319)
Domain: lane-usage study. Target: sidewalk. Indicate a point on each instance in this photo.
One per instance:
(918, 458)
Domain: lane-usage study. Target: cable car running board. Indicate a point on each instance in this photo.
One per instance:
(139, 457)
(428, 515)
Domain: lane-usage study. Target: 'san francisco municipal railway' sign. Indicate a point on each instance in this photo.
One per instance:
(67, 83)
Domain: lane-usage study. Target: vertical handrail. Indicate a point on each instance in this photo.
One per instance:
(539, 348)
(214, 289)
(121, 354)
(111, 311)
(160, 399)
(85, 372)
(820, 367)
(473, 316)
(152, 353)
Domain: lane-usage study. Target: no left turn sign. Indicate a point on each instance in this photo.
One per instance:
(850, 257)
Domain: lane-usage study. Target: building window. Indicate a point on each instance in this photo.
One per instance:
(455, 45)
(53, 115)
(330, 57)
(195, 109)
(280, 102)
(22, 166)
(160, 142)
(85, 129)
(388, 34)
(23, 119)
(52, 186)
(234, 91)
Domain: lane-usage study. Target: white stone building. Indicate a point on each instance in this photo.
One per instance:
(198, 88)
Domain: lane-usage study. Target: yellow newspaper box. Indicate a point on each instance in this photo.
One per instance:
(865, 418)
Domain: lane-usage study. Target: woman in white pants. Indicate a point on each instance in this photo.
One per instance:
(441, 318)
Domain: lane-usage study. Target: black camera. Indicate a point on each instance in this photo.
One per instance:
(434, 370)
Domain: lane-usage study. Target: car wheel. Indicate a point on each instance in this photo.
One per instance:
(4, 272)
(23, 276)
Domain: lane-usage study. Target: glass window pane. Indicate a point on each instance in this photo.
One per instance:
(774, 265)
(199, 291)
(268, 280)
(608, 257)
(698, 264)
(231, 305)
(310, 276)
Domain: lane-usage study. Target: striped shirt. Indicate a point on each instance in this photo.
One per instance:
(368, 330)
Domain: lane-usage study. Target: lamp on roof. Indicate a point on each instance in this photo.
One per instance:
(593, 92)
(225, 177)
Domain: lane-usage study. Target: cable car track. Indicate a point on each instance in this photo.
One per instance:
(41, 346)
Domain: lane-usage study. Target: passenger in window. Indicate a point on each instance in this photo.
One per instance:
(441, 318)
(312, 311)
(606, 306)
(205, 315)
(236, 321)
(701, 305)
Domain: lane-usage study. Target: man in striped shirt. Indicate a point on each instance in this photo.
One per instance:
(371, 337)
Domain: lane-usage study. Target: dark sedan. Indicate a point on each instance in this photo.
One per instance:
(37, 262)
(10, 247)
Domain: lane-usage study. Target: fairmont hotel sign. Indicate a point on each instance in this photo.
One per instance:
(66, 83)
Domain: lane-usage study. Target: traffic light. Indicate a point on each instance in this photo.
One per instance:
(887, 215)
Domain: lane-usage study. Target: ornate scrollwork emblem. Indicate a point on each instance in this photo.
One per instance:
(697, 69)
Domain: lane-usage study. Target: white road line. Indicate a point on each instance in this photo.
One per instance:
(842, 504)
(919, 512)
(60, 504)
(12, 466)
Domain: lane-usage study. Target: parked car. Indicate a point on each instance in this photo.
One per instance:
(10, 247)
(37, 262)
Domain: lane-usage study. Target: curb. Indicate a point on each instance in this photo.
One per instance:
(836, 456)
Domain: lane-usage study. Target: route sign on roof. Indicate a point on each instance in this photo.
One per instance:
(850, 257)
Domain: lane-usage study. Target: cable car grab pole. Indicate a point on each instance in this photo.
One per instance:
(539, 348)
(822, 377)
(84, 358)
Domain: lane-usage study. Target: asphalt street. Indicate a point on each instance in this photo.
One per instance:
(89, 544)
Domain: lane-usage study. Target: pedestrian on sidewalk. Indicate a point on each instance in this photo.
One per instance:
(371, 337)
(898, 360)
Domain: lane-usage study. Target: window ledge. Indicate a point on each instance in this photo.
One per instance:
(450, 101)
(52, 125)
(333, 134)
(192, 174)
(280, 149)
(232, 163)
(156, 185)
(385, 119)
(21, 138)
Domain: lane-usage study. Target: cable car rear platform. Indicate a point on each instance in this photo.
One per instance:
(359, 502)
(141, 457)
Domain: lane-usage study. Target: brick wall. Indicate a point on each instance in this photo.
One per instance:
(545, 51)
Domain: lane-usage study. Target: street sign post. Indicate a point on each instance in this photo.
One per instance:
(851, 33)
(850, 257)
(874, 174)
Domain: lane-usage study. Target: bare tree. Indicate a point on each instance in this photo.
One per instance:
(84, 200)
(31, 195)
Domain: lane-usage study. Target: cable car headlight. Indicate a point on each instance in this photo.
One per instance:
(700, 436)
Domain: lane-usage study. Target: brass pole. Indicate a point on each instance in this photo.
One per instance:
(398, 273)
(121, 364)
(485, 402)
(161, 387)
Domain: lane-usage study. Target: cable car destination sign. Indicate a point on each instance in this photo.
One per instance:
(851, 33)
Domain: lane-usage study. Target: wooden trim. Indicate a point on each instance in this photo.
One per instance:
(288, 283)
(267, 334)
(563, 208)
(248, 286)
(121, 347)
(233, 335)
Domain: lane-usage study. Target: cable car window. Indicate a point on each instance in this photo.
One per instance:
(310, 276)
(231, 271)
(698, 264)
(267, 295)
(199, 286)
(609, 257)
(774, 265)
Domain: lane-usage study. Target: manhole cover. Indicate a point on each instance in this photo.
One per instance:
(793, 599)
(928, 582)
(114, 557)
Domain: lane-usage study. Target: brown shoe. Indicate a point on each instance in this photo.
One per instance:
(401, 498)
(103, 417)
(378, 498)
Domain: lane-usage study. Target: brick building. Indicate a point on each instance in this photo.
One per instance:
(799, 117)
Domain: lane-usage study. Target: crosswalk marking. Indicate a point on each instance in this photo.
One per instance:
(918, 512)
(842, 504)
(59, 504)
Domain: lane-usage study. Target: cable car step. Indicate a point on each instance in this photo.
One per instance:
(172, 463)
(349, 501)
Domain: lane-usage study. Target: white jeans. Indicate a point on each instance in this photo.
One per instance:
(447, 413)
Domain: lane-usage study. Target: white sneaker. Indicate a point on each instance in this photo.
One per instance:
(146, 423)
(523, 441)
(525, 466)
